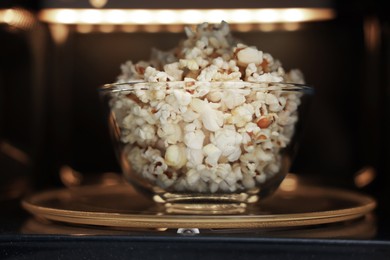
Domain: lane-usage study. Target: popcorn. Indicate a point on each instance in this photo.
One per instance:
(146, 133)
(211, 118)
(194, 139)
(175, 156)
(173, 70)
(248, 181)
(213, 153)
(249, 55)
(268, 77)
(193, 177)
(135, 156)
(153, 75)
(242, 115)
(194, 156)
(170, 133)
(200, 125)
(228, 141)
(182, 98)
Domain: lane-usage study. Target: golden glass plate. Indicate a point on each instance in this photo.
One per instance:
(362, 228)
(120, 206)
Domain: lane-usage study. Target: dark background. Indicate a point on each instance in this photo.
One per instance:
(50, 108)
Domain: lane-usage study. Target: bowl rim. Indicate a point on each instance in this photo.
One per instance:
(191, 85)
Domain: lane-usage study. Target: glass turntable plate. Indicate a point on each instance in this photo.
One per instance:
(120, 206)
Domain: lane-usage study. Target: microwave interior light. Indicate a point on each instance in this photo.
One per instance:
(17, 17)
(184, 16)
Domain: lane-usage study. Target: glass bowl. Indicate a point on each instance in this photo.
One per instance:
(205, 147)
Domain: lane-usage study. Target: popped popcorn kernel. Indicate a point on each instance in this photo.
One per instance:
(175, 156)
(249, 55)
(213, 153)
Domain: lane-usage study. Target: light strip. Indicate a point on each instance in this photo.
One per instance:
(184, 16)
(18, 18)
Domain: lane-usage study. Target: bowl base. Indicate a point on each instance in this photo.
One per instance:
(206, 203)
